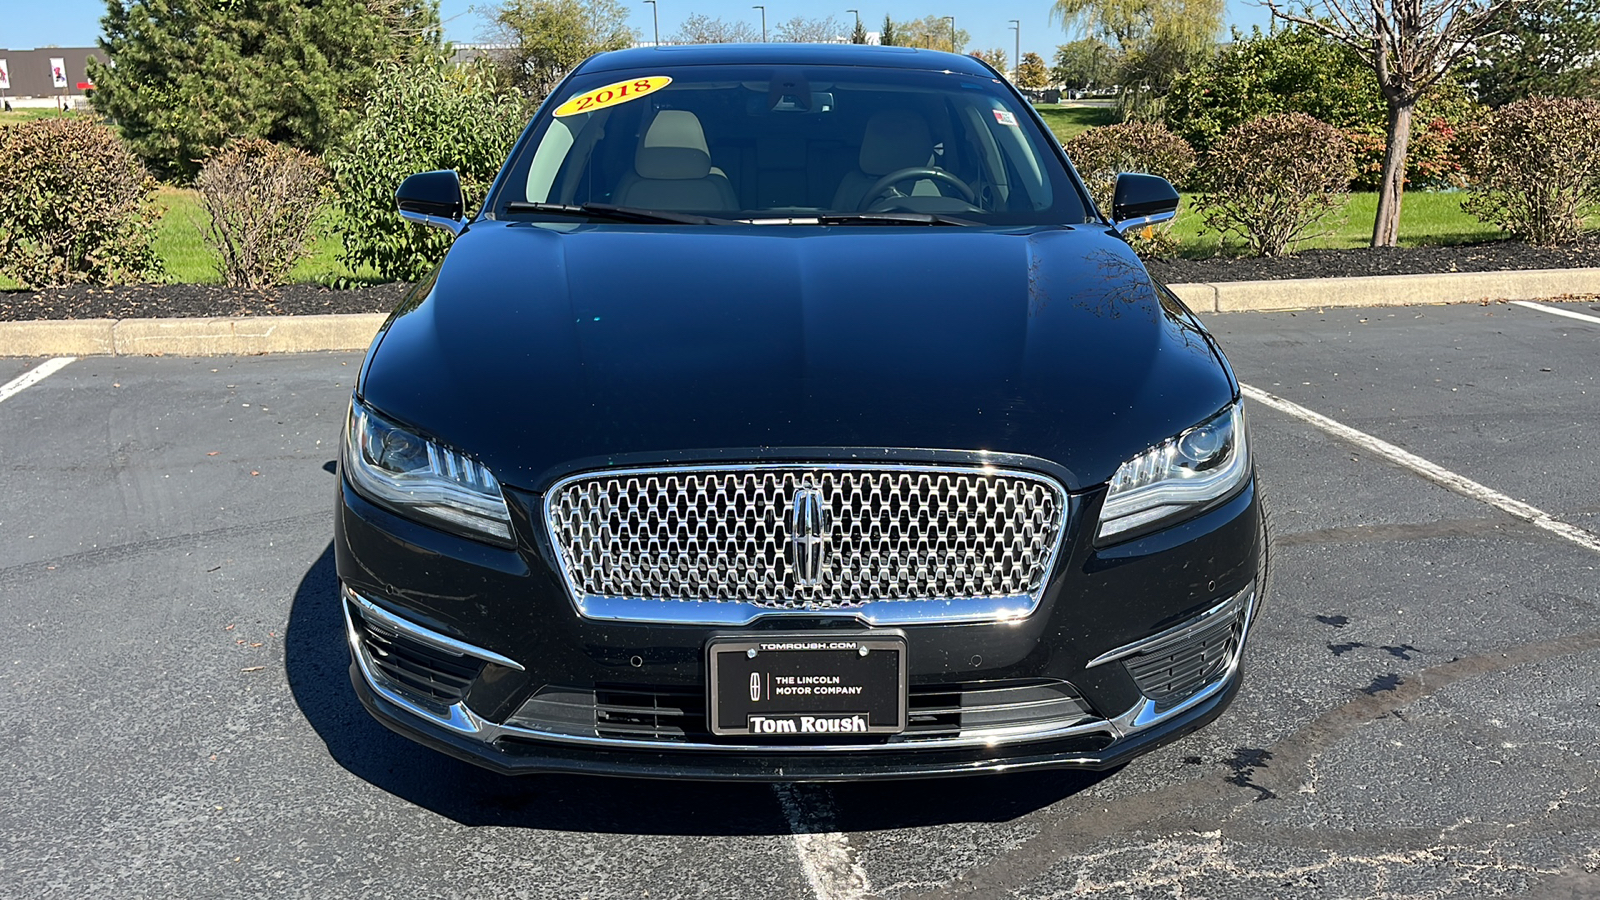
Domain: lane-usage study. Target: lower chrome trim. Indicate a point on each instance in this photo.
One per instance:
(1176, 634)
(421, 635)
(460, 719)
(948, 611)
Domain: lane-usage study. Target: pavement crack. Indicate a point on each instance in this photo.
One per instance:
(117, 552)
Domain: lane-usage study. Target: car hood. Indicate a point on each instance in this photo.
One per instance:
(543, 350)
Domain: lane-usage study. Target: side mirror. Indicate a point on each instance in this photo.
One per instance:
(433, 199)
(1142, 200)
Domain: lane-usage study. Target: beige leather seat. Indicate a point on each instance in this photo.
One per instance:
(672, 169)
(895, 139)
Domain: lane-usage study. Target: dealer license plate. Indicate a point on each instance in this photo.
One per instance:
(808, 685)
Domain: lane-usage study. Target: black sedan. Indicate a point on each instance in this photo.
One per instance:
(791, 412)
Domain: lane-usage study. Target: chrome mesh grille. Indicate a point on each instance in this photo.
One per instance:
(885, 533)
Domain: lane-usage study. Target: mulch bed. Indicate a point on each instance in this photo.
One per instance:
(1493, 256)
(149, 301)
(141, 301)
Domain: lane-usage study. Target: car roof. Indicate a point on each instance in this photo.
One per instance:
(786, 54)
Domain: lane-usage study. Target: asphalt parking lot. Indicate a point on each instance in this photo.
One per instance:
(1421, 719)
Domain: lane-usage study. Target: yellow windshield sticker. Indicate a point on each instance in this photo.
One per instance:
(611, 95)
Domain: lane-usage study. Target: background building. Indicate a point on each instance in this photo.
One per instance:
(47, 76)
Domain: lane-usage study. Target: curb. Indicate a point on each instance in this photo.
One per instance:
(239, 336)
(246, 335)
(1387, 290)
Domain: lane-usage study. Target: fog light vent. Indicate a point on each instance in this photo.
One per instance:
(422, 673)
(1174, 672)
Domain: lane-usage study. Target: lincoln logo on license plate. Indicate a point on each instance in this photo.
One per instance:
(755, 686)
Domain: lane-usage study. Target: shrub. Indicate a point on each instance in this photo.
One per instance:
(1298, 70)
(1260, 74)
(421, 117)
(75, 206)
(1099, 154)
(1274, 180)
(1433, 157)
(263, 199)
(1535, 167)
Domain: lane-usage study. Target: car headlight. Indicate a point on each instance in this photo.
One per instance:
(420, 479)
(1180, 475)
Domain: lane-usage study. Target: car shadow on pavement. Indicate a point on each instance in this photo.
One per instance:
(317, 661)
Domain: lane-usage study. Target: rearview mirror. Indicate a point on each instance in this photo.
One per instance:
(433, 199)
(1142, 200)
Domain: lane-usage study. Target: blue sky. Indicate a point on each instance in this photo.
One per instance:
(76, 23)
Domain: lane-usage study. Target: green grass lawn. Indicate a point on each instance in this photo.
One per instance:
(28, 115)
(1070, 121)
(183, 249)
(182, 246)
(1425, 218)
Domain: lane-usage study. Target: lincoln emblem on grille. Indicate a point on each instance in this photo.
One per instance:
(807, 534)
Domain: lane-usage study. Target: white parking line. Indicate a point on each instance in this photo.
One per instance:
(826, 859)
(1436, 474)
(33, 376)
(1557, 311)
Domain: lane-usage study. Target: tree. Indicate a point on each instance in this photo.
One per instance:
(549, 38)
(1031, 72)
(859, 35)
(932, 32)
(996, 58)
(181, 79)
(1410, 45)
(702, 29)
(890, 36)
(1543, 48)
(801, 30)
(1084, 63)
(1157, 40)
(424, 116)
(1290, 70)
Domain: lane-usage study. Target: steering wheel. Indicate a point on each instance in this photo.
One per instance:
(899, 175)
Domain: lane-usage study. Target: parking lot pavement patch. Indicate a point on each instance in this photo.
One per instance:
(33, 376)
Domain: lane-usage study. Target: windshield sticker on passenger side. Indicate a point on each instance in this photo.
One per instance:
(1003, 116)
(612, 94)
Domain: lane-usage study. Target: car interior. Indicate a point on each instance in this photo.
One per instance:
(759, 150)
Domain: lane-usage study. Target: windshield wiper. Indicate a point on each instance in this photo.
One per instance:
(614, 213)
(891, 218)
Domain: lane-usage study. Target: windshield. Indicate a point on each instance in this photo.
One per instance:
(776, 145)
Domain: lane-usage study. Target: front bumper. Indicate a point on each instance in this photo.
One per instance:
(1111, 616)
(516, 758)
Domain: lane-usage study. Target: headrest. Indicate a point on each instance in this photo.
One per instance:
(895, 139)
(674, 148)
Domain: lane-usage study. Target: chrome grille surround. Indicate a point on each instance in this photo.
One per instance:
(717, 544)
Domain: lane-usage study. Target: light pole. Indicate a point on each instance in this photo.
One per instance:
(763, 22)
(858, 18)
(1016, 60)
(952, 20)
(655, 17)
